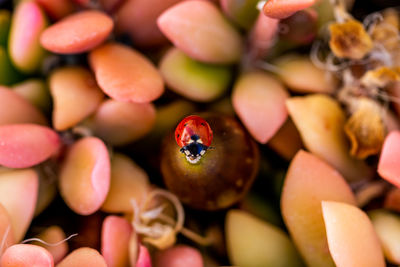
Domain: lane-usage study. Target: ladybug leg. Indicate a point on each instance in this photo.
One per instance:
(185, 150)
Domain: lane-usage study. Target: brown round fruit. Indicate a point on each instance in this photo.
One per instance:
(223, 175)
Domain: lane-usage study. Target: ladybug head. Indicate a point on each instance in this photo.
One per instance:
(193, 151)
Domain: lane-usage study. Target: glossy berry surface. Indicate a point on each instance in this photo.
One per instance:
(222, 176)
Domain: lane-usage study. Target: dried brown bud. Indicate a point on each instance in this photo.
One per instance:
(380, 77)
(349, 40)
(365, 129)
(386, 32)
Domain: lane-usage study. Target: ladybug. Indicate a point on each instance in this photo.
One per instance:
(194, 135)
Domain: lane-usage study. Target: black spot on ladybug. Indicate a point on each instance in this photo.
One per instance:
(185, 124)
(203, 124)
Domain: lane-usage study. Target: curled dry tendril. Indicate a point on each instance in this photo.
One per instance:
(159, 229)
(35, 239)
(4, 244)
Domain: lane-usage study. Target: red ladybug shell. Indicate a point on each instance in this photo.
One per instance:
(190, 126)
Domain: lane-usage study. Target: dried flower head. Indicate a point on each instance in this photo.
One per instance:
(349, 40)
(380, 77)
(158, 228)
(365, 128)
